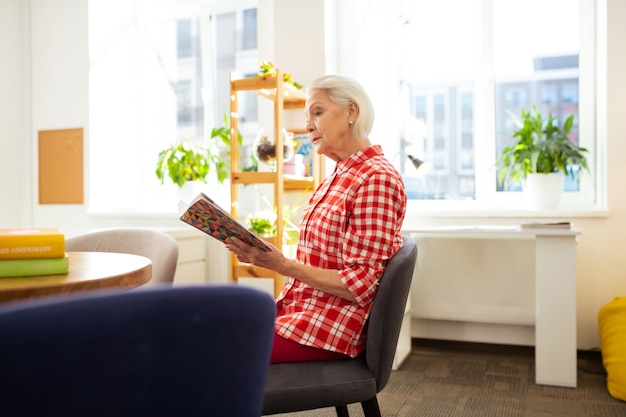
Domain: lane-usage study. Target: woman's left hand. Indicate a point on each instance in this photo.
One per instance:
(327, 280)
(246, 253)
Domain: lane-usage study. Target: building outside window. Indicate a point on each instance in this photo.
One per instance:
(468, 64)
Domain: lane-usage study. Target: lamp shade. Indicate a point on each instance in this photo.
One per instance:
(417, 163)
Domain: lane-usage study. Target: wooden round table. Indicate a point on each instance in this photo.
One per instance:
(87, 271)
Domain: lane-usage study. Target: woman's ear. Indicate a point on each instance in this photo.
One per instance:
(353, 110)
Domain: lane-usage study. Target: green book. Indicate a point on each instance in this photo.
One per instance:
(34, 266)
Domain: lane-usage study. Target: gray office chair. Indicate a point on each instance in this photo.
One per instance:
(164, 351)
(159, 247)
(300, 386)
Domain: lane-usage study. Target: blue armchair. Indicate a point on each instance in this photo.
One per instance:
(165, 351)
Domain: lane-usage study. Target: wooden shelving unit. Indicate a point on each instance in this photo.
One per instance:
(284, 97)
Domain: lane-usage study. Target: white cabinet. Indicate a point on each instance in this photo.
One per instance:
(192, 256)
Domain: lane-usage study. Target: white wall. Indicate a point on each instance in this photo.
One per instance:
(43, 84)
(601, 254)
(60, 81)
(279, 41)
(16, 179)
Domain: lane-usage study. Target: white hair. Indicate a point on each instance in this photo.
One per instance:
(343, 91)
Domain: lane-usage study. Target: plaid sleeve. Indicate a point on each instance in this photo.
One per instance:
(372, 233)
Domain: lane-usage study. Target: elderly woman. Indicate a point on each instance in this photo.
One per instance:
(349, 230)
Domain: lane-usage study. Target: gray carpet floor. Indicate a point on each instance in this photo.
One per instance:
(447, 379)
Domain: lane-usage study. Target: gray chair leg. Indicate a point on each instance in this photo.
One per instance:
(342, 411)
(370, 408)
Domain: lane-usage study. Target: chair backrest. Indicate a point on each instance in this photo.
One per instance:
(159, 247)
(165, 351)
(385, 320)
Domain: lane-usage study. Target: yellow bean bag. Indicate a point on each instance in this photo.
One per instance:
(612, 325)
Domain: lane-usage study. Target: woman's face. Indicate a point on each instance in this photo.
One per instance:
(328, 126)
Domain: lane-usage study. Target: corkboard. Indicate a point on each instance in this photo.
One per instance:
(61, 166)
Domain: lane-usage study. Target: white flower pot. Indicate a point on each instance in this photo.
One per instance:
(543, 191)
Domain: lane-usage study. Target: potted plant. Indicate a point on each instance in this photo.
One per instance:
(541, 157)
(187, 161)
(268, 69)
(183, 162)
(263, 222)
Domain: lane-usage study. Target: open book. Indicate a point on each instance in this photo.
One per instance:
(205, 215)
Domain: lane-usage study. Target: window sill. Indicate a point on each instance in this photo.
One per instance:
(166, 215)
(418, 211)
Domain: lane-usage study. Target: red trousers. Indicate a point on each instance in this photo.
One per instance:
(284, 350)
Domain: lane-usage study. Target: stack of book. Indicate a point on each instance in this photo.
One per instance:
(30, 251)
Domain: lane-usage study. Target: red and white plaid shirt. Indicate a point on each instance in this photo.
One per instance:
(352, 224)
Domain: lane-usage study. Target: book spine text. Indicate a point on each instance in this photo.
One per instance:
(29, 247)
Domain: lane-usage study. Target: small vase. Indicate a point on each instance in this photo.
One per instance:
(265, 150)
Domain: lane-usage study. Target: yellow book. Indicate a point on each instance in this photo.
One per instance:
(29, 243)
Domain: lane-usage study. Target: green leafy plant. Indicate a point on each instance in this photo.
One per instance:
(542, 147)
(183, 162)
(190, 161)
(268, 69)
(220, 149)
(263, 222)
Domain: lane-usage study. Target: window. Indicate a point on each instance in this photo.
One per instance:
(446, 74)
(248, 38)
(159, 73)
(463, 66)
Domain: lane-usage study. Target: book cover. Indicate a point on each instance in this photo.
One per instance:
(304, 147)
(28, 243)
(35, 266)
(547, 225)
(205, 215)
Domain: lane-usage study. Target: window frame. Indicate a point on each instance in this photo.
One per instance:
(592, 129)
(488, 202)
